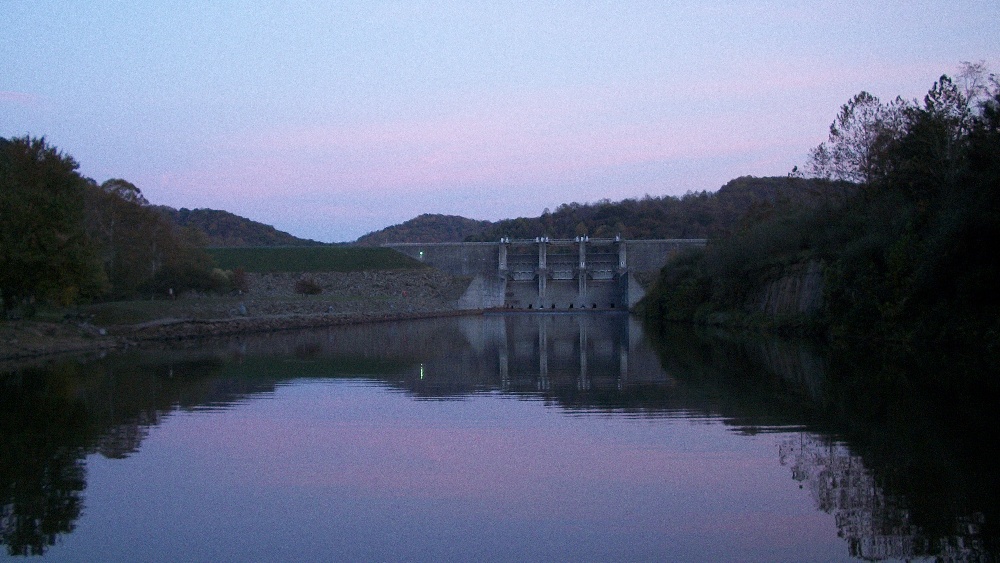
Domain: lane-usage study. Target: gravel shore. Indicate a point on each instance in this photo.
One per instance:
(271, 304)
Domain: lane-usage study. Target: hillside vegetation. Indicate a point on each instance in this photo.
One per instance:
(65, 240)
(693, 215)
(427, 228)
(908, 259)
(64, 237)
(225, 229)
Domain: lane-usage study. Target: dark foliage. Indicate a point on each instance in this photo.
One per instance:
(224, 229)
(44, 251)
(308, 286)
(910, 258)
(694, 215)
(427, 228)
(240, 281)
(64, 238)
(140, 251)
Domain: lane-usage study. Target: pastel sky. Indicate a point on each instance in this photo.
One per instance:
(332, 119)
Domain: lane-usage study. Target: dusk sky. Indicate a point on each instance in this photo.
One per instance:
(332, 119)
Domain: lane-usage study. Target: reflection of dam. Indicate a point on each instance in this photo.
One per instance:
(547, 351)
(542, 351)
(518, 352)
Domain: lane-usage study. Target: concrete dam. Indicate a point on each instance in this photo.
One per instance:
(544, 273)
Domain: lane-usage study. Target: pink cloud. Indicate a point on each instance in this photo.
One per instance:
(466, 150)
(552, 145)
(21, 98)
(553, 136)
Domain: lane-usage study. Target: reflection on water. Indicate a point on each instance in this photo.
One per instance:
(889, 468)
(874, 524)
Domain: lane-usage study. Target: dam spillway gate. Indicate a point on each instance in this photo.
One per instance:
(561, 274)
(544, 273)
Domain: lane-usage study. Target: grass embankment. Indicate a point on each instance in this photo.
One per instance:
(145, 310)
(357, 285)
(263, 260)
(312, 259)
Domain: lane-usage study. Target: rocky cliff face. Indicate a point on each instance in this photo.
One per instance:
(797, 289)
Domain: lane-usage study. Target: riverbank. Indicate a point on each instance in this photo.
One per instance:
(32, 339)
(271, 303)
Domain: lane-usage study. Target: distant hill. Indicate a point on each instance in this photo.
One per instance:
(693, 215)
(224, 229)
(427, 228)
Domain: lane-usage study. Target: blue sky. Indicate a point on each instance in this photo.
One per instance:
(332, 119)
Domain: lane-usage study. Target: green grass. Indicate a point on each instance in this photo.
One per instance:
(311, 259)
(128, 312)
(208, 307)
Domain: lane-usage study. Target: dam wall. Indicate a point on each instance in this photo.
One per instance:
(544, 273)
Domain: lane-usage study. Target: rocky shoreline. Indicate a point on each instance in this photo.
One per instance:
(270, 304)
(177, 329)
(32, 339)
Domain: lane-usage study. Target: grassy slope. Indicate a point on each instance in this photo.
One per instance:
(311, 259)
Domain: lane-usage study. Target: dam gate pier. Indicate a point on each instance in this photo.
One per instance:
(549, 274)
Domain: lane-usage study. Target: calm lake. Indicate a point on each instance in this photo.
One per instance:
(504, 437)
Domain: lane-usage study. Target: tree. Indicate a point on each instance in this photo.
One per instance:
(122, 227)
(140, 249)
(44, 253)
(908, 256)
(858, 139)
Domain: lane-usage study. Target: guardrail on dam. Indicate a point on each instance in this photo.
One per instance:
(544, 273)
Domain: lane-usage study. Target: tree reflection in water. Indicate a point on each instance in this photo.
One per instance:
(884, 462)
(52, 417)
(876, 524)
(42, 474)
(903, 476)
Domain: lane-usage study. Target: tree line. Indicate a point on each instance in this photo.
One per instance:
(223, 229)
(693, 215)
(64, 237)
(908, 252)
(426, 228)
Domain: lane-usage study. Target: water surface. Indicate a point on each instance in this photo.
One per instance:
(504, 437)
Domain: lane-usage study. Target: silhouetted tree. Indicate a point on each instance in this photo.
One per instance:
(44, 253)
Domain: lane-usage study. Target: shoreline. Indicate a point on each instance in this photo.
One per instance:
(28, 340)
(271, 303)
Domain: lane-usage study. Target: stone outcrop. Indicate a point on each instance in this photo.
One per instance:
(797, 289)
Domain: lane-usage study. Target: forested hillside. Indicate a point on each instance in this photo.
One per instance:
(910, 259)
(224, 229)
(694, 215)
(427, 228)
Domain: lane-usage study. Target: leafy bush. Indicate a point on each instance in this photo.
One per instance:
(240, 281)
(308, 286)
